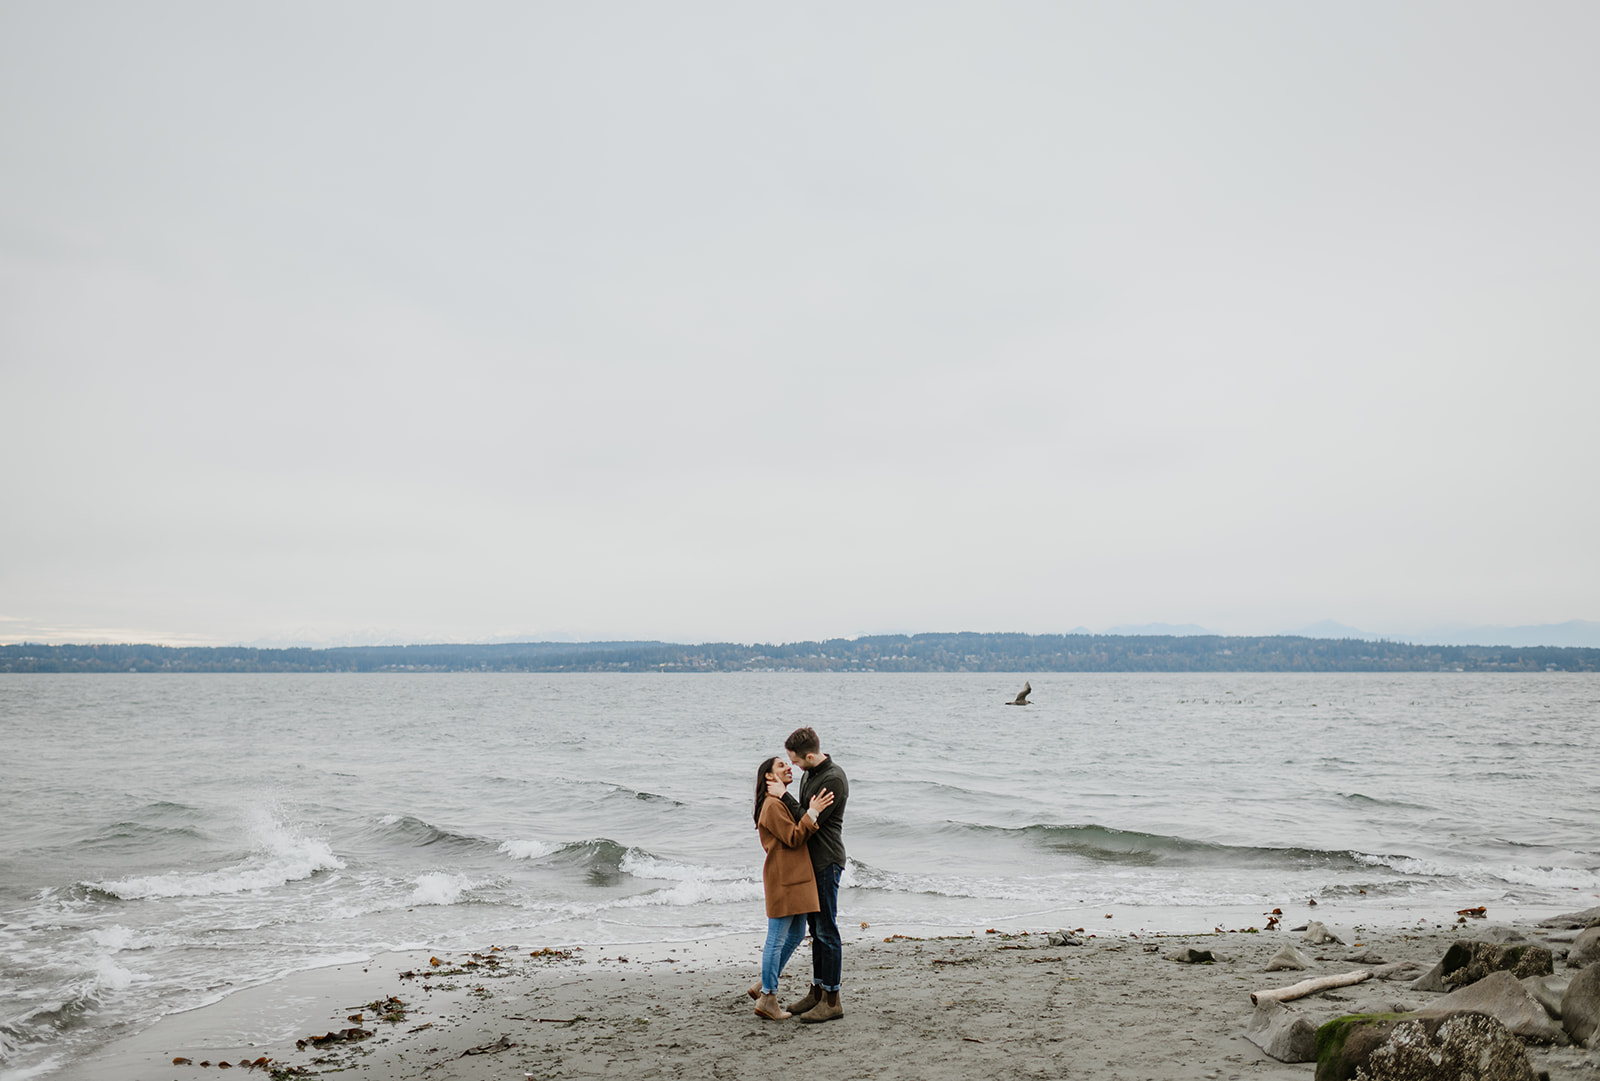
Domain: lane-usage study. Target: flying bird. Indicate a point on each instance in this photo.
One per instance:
(1022, 696)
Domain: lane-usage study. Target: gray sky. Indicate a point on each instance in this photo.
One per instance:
(760, 322)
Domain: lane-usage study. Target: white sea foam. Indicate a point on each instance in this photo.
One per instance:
(1578, 878)
(697, 891)
(26, 1073)
(109, 975)
(115, 938)
(440, 888)
(643, 865)
(1408, 865)
(282, 856)
(527, 849)
(1581, 878)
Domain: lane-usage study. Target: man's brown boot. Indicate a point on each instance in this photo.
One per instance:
(813, 996)
(828, 1009)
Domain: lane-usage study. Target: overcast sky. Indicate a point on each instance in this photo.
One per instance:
(354, 322)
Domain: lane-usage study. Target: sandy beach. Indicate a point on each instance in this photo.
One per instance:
(988, 1004)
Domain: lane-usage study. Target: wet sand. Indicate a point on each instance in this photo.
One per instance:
(981, 1005)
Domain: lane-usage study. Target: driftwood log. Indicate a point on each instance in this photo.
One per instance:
(1310, 987)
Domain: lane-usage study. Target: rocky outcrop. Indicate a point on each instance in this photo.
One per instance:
(1589, 917)
(1580, 1007)
(1502, 996)
(1548, 990)
(1470, 961)
(1386, 1047)
(1585, 949)
(1290, 1035)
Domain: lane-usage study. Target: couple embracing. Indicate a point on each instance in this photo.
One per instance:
(804, 840)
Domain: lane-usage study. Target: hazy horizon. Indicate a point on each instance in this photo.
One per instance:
(1580, 633)
(717, 322)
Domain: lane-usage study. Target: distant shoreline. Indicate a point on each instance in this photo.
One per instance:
(953, 652)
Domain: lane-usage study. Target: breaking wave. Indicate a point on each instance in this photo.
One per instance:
(440, 888)
(1106, 844)
(281, 856)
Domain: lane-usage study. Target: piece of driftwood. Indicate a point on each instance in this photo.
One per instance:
(1310, 987)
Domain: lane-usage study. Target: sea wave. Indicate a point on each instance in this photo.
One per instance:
(694, 883)
(281, 856)
(120, 836)
(1109, 845)
(697, 891)
(641, 864)
(440, 888)
(413, 832)
(527, 849)
(637, 794)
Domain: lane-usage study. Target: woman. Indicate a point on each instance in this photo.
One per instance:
(791, 885)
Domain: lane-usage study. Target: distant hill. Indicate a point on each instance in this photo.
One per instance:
(953, 652)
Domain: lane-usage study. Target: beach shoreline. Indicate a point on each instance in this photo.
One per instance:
(999, 1002)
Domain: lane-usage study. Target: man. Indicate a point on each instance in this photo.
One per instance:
(827, 860)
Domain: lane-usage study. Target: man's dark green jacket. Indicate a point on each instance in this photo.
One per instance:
(827, 844)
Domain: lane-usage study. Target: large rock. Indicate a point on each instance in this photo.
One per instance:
(1502, 996)
(1589, 917)
(1585, 949)
(1549, 990)
(1293, 960)
(1580, 1007)
(1500, 933)
(1316, 934)
(1470, 961)
(1287, 1035)
(1437, 1047)
(1290, 1035)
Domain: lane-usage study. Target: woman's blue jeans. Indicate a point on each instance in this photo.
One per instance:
(784, 935)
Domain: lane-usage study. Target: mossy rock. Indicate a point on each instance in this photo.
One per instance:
(1460, 1046)
(1469, 962)
(1334, 1036)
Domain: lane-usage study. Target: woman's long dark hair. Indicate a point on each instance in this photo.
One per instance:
(761, 785)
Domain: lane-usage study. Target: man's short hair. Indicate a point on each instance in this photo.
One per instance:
(803, 741)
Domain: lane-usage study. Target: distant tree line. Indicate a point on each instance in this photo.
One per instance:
(962, 652)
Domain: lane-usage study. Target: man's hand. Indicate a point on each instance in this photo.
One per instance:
(775, 788)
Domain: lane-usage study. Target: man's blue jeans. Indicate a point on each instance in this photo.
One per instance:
(827, 949)
(784, 934)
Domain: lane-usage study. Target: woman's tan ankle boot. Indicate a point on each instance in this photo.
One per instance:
(767, 1006)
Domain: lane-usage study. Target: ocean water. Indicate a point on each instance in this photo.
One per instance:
(167, 839)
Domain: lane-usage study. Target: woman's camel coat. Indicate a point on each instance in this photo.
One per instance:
(790, 882)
